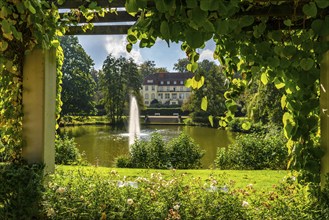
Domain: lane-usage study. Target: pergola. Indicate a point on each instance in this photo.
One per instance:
(39, 78)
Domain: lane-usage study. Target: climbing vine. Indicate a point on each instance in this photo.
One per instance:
(284, 49)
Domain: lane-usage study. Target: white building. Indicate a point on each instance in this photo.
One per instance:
(166, 88)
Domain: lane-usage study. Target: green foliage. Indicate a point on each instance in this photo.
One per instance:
(21, 191)
(66, 152)
(169, 110)
(184, 153)
(78, 88)
(180, 153)
(254, 151)
(120, 78)
(81, 195)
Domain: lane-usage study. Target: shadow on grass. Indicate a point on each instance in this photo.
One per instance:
(21, 187)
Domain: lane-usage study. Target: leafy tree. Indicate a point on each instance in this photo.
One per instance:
(160, 69)
(181, 64)
(147, 68)
(78, 86)
(120, 78)
(213, 88)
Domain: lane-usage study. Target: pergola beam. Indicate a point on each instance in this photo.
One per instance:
(100, 30)
(120, 16)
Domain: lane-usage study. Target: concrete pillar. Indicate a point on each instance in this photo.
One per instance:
(324, 114)
(39, 103)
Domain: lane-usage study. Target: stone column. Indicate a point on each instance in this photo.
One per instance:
(324, 108)
(39, 103)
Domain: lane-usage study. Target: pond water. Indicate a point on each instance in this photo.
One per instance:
(102, 144)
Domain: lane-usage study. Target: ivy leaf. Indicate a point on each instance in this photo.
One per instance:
(161, 6)
(188, 83)
(283, 101)
(222, 123)
(246, 125)
(231, 105)
(191, 3)
(29, 6)
(246, 21)
(310, 9)
(209, 5)
(197, 84)
(322, 3)
(131, 7)
(264, 78)
(3, 46)
(287, 22)
(192, 67)
(194, 38)
(221, 27)
(129, 47)
(278, 84)
(307, 64)
(199, 16)
(211, 120)
(204, 103)
(5, 26)
(164, 29)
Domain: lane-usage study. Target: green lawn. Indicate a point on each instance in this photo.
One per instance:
(261, 179)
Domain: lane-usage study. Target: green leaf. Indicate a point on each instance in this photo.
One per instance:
(283, 101)
(188, 83)
(211, 120)
(3, 46)
(192, 67)
(5, 26)
(131, 38)
(129, 47)
(264, 78)
(322, 3)
(204, 103)
(231, 105)
(287, 22)
(194, 38)
(278, 84)
(165, 30)
(197, 84)
(191, 3)
(161, 6)
(29, 6)
(222, 27)
(246, 125)
(199, 16)
(246, 21)
(307, 64)
(222, 123)
(310, 9)
(131, 6)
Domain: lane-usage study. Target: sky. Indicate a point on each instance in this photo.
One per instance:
(99, 46)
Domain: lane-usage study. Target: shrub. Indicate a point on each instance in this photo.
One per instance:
(254, 151)
(21, 191)
(66, 152)
(184, 153)
(180, 153)
(89, 195)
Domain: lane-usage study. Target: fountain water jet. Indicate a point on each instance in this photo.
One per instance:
(134, 127)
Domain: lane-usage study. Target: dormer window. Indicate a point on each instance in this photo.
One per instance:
(150, 81)
(168, 82)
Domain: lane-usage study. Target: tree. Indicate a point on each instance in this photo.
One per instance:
(120, 79)
(147, 68)
(78, 86)
(160, 70)
(181, 65)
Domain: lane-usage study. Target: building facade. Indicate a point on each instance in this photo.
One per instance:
(166, 88)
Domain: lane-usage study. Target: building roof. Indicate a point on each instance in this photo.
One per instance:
(156, 78)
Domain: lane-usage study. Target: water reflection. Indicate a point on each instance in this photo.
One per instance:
(102, 144)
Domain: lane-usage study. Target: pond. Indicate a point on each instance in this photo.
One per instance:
(102, 144)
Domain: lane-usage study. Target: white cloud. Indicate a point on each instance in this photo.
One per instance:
(116, 45)
(206, 55)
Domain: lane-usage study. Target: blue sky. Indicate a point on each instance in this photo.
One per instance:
(99, 46)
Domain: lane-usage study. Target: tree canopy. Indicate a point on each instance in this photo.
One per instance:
(78, 88)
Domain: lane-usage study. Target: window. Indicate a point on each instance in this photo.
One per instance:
(146, 88)
(168, 82)
(150, 80)
(152, 96)
(181, 96)
(161, 82)
(174, 95)
(160, 96)
(182, 88)
(146, 96)
(168, 88)
(174, 103)
(153, 88)
(146, 102)
(167, 96)
(175, 82)
(182, 82)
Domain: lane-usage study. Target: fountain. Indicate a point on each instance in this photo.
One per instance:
(134, 127)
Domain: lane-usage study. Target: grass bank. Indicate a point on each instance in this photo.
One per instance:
(260, 179)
